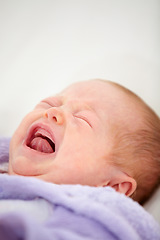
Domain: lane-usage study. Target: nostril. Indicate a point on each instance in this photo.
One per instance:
(59, 119)
(54, 118)
(55, 115)
(45, 114)
(51, 116)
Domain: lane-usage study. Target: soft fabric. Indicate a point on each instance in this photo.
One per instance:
(38, 208)
(78, 212)
(4, 154)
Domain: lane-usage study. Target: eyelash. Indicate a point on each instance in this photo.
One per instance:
(46, 104)
(84, 119)
(52, 102)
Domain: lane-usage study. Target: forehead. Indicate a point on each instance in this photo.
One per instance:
(111, 101)
(93, 90)
(102, 96)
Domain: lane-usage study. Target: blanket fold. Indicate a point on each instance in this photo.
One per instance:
(79, 212)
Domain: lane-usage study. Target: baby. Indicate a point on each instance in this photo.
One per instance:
(95, 133)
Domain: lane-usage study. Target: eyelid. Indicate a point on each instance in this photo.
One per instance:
(43, 104)
(46, 102)
(52, 102)
(84, 119)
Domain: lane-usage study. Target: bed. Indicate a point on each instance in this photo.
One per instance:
(33, 209)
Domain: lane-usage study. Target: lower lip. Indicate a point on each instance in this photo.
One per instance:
(35, 155)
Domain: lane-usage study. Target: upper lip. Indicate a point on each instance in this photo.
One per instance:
(40, 129)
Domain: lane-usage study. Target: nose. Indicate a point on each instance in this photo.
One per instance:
(55, 114)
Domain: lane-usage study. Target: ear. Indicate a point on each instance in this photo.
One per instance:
(123, 183)
(127, 187)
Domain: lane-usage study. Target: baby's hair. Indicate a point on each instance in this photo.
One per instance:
(139, 150)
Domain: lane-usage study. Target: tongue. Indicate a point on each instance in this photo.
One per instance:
(41, 145)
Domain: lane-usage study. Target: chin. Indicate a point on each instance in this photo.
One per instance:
(22, 166)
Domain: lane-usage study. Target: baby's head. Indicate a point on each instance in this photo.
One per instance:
(93, 133)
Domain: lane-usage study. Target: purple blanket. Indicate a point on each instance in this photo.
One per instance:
(80, 212)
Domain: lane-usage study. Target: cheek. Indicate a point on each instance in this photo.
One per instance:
(21, 131)
(16, 140)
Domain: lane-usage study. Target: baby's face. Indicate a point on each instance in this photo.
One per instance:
(68, 138)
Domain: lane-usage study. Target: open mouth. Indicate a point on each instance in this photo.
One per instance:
(40, 140)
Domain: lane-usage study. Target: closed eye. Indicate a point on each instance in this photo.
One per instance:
(84, 119)
(43, 105)
(49, 102)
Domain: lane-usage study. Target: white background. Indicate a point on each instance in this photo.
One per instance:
(46, 45)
